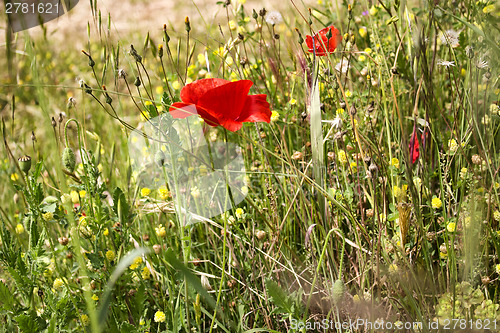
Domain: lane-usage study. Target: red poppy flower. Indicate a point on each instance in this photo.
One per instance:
(414, 146)
(221, 102)
(320, 44)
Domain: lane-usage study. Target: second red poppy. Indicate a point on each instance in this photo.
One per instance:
(325, 41)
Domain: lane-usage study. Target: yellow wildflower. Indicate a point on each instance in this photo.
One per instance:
(363, 32)
(452, 146)
(136, 263)
(395, 162)
(85, 320)
(145, 191)
(342, 156)
(47, 216)
(496, 215)
(74, 197)
(146, 274)
(19, 229)
(436, 203)
(159, 317)
(275, 115)
(110, 255)
(239, 213)
(195, 192)
(14, 177)
(58, 283)
(164, 193)
(160, 231)
(451, 227)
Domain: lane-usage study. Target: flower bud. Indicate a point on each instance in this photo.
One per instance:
(91, 61)
(166, 37)
(160, 51)
(160, 158)
(137, 82)
(134, 54)
(24, 163)
(338, 292)
(63, 241)
(301, 39)
(187, 24)
(69, 159)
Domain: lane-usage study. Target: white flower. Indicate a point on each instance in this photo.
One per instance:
(481, 63)
(450, 37)
(343, 66)
(337, 123)
(274, 18)
(122, 74)
(445, 63)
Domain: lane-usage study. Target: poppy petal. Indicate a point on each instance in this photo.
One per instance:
(414, 147)
(231, 125)
(256, 109)
(320, 45)
(181, 110)
(226, 102)
(192, 92)
(309, 42)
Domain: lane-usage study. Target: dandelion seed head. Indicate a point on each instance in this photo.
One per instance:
(274, 18)
(450, 37)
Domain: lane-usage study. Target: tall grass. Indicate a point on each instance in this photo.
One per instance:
(338, 221)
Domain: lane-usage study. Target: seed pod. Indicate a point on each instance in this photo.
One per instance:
(69, 159)
(338, 292)
(53, 122)
(160, 158)
(137, 82)
(24, 163)
(134, 54)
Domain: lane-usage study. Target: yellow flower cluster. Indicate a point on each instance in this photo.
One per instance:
(159, 317)
(436, 203)
(342, 156)
(136, 263)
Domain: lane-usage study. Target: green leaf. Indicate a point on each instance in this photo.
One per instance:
(27, 323)
(278, 296)
(192, 279)
(127, 328)
(152, 111)
(6, 297)
(166, 101)
(120, 205)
